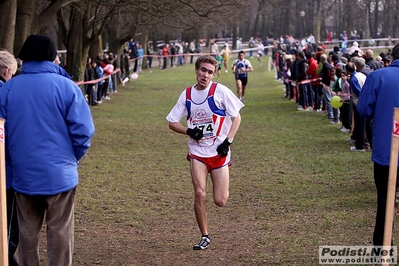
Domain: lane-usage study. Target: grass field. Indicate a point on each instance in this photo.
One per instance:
(294, 183)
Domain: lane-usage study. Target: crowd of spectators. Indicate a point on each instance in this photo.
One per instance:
(312, 77)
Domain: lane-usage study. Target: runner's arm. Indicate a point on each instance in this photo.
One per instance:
(177, 127)
(234, 126)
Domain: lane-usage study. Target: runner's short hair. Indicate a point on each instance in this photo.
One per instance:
(206, 59)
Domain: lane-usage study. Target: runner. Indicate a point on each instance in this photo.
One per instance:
(213, 119)
(241, 67)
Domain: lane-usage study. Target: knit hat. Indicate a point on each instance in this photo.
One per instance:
(387, 58)
(38, 48)
(334, 57)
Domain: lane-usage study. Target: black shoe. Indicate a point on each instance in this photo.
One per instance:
(203, 244)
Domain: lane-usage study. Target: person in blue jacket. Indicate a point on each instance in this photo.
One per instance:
(377, 100)
(49, 128)
(8, 68)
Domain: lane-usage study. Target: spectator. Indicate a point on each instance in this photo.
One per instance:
(165, 54)
(239, 44)
(95, 86)
(316, 88)
(373, 64)
(345, 108)
(326, 80)
(140, 56)
(172, 55)
(378, 98)
(45, 181)
(305, 99)
(251, 46)
(150, 54)
(100, 73)
(8, 67)
(356, 83)
(108, 68)
(125, 67)
(192, 50)
(179, 52)
(89, 76)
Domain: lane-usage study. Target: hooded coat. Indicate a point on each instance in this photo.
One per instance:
(49, 128)
(377, 99)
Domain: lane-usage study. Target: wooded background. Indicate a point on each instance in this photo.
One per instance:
(83, 27)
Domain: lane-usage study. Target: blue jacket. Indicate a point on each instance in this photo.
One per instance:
(378, 97)
(49, 128)
(100, 73)
(140, 52)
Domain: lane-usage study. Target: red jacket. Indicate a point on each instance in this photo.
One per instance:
(165, 51)
(312, 71)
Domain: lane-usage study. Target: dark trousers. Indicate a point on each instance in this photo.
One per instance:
(287, 89)
(59, 213)
(369, 131)
(358, 131)
(345, 115)
(165, 62)
(311, 96)
(13, 228)
(127, 74)
(381, 176)
(305, 96)
(90, 90)
(172, 60)
(99, 91)
(149, 61)
(105, 88)
(318, 94)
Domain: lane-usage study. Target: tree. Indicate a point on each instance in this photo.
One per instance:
(318, 21)
(8, 13)
(32, 15)
(82, 23)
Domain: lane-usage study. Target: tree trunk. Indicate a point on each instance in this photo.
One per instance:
(396, 27)
(376, 20)
(74, 64)
(25, 15)
(388, 23)
(347, 14)
(8, 13)
(95, 47)
(366, 31)
(256, 22)
(144, 39)
(234, 25)
(286, 21)
(318, 22)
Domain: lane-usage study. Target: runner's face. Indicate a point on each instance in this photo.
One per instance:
(205, 73)
(241, 56)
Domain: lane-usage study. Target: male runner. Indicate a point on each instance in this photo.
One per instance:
(213, 118)
(241, 67)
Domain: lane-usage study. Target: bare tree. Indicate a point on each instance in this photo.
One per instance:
(32, 15)
(8, 12)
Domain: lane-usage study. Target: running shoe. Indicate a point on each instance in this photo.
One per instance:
(203, 244)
